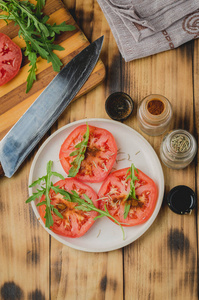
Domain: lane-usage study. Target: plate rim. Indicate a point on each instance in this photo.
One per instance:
(123, 243)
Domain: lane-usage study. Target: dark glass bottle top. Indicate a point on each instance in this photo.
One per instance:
(119, 106)
(181, 199)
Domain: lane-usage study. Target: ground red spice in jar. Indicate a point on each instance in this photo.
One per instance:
(154, 114)
(155, 107)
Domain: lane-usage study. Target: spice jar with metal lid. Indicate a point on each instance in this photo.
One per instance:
(154, 114)
(178, 149)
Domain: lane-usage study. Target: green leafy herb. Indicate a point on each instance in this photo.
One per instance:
(84, 204)
(131, 194)
(40, 6)
(45, 191)
(79, 153)
(36, 32)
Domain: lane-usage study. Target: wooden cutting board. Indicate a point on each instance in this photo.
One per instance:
(13, 98)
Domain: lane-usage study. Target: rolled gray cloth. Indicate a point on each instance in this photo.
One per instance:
(143, 28)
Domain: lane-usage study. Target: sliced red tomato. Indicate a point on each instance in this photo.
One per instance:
(10, 59)
(75, 222)
(114, 191)
(100, 154)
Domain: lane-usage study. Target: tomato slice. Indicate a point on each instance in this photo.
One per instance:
(114, 191)
(10, 59)
(100, 154)
(75, 222)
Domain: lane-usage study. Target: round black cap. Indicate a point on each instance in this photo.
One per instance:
(181, 199)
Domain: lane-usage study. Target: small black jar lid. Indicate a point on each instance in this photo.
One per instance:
(181, 199)
(119, 106)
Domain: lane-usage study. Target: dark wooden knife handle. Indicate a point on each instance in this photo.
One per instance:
(1, 171)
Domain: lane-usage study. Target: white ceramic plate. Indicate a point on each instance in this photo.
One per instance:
(104, 235)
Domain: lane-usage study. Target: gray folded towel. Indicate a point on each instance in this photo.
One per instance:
(143, 28)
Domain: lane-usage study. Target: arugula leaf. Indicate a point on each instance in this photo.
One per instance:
(37, 33)
(38, 181)
(126, 210)
(131, 194)
(63, 192)
(32, 71)
(79, 153)
(40, 5)
(55, 210)
(48, 217)
(35, 196)
(84, 204)
(45, 191)
(61, 27)
(54, 59)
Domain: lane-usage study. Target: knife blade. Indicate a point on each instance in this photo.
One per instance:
(36, 121)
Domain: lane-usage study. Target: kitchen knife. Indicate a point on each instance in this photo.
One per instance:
(46, 109)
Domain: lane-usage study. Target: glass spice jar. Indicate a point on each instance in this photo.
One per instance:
(178, 149)
(154, 114)
(119, 106)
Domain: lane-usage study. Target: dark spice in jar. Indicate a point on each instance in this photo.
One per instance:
(155, 107)
(119, 106)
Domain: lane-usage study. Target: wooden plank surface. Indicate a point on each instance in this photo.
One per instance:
(161, 264)
(167, 253)
(14, 100)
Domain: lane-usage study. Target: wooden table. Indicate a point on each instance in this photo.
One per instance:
(162, 263)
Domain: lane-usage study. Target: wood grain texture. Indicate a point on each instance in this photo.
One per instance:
(161, 264)
(165, 258)
(14, 100)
